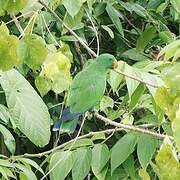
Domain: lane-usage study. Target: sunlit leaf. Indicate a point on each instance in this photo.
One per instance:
(167, 163)
(31, 162)
(176, 5)
(15, 6)
(26, 107)
(82, 164)
(8, 139)
(122, 149)
(43, 84)
(100, 156)
(32, 51)
(26, 171)
(8, 52)
(144, 175)
(106, 102)
(57, 70)
(114, 78)
(110, 32)
(131, 83)
(61, 164)
(72, 6)
(146, 147)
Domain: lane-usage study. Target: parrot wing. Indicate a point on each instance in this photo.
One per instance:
(87, 90)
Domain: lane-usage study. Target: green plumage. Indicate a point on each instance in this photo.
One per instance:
(89, 85)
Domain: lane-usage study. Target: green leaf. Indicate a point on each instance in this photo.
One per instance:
(170, 75)
(82, 164)
(106, 102)
(110, 32)
(136, 96)
(146, 147)
(176, 5)
(12, 6)
(153, 80)
(139, 10)
(43, 84)
(135, 55)
(176, 123)
(122, 149)
(98, 135)
(26, 107)
(114, 18)
(4, 114)
(114, 78)
(8, 139)
(119, 173)
(15, 6)
(6, 163)
(26, 171)
(102, 174)
(6, 173)
(81, 143)
(169, 50)
(166, 36)
(100, 156)
(61, 163)
(131, 83)
(4, 31)
(8, 53)
(72, 6)
(32, 51)
(129, 166)
(73, 22)
(148, 34)
(167, 163)
(32, 163)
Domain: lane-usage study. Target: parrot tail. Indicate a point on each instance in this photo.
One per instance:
(68, 121)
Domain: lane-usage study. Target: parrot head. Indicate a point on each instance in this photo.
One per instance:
(108, 61)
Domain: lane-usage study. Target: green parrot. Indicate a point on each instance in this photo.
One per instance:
(86, 91)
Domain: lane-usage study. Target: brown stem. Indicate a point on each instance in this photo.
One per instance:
(131, 128)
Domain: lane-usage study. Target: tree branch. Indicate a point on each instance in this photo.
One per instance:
(39, 155)
(137, 79)
(131, 128)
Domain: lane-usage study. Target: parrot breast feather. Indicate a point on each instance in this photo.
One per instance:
(86, 91)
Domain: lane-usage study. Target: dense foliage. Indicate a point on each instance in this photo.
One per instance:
(134, 132)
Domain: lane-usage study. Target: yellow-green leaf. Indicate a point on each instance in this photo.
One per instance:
(8, 52)
(167, 163)
(43, 84)
(144, 175)
(57, 69)
(32, 51)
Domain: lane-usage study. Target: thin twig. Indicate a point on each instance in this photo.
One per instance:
(12, 20)
(69, 29)
(94, 28)
(18, 24)
(39, 155)
(78, 50)
(136, 79)
(131, 128)
(50, 31)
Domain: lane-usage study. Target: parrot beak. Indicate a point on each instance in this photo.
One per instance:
(114, 64)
